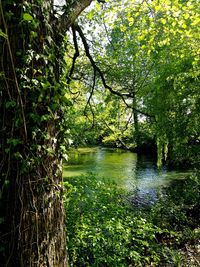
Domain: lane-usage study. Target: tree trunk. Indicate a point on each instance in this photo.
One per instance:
(30, 134)
(136, 124)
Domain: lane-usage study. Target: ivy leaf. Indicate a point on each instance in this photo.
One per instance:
(27, 17)
(14, 141)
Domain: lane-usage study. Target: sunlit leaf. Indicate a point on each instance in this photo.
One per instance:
(27, 17)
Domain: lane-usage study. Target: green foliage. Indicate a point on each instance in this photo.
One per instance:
(2, 34)
(27, 17)
(150, 52)
(32, 125)
(182, 209)
(103, 230)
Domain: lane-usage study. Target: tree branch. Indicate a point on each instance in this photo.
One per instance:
(76, 54)
(69, 16)
(107, 34)
(97, 69)
(91, 93)
(87, 51)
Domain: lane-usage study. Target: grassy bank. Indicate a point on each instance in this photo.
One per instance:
(103, 229)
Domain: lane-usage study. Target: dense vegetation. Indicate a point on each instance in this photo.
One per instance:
(136, 87)
(125, 74)
(32, 130)
(105, 229)
(139, 78)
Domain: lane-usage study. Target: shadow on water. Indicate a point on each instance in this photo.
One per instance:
(138, 174)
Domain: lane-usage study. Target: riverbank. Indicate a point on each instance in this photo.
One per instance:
(104, 229)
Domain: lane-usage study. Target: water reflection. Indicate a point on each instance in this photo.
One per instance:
(137, 174)
(114, 164)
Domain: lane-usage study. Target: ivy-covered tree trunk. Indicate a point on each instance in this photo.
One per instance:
(31, 177)
(31, 131)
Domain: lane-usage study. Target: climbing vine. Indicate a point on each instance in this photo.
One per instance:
(33, 132)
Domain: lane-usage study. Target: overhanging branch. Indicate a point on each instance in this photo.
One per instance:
(75, 56)
(97, 69)
(91, 93)
(89, 103)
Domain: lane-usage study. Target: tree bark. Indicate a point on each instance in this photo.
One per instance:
(136, 123)
(33, 231)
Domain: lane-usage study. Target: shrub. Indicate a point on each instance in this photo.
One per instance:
(102, 229)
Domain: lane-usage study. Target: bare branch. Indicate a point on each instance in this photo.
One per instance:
(95, 67)
(89, 103)
(87, 51)
(127, 123)
(92, 91)
(76, 54)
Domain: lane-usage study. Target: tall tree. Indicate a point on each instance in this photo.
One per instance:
(31, 130)
(151, 57)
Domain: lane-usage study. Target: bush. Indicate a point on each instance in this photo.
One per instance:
(183, 205)
(103, 230)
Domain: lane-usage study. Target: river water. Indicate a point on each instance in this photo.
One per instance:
(137, 174)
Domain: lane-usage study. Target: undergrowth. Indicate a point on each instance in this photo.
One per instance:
(103, 229)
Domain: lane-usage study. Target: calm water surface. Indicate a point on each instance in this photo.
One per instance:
(129, 170)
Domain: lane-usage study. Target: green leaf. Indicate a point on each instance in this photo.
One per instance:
(14, 141)
(91, 14)
(2, 34)
(27, 17)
